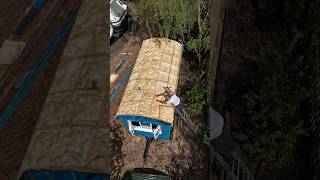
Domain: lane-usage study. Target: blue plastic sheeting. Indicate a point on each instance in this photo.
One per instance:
(22, 79)
(120, 84)
(38, 4)
(27, 82)
(122, 61)
(25, 21)
(36, 7)
(166, 128)
(62, 175)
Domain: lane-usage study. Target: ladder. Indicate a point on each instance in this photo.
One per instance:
(185, 117)
(234, 170)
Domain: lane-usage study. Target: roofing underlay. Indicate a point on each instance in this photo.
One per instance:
(157, 66)
(71, 132)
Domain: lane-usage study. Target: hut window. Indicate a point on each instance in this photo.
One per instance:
(135, 123)
(142, 125)
(145, 125)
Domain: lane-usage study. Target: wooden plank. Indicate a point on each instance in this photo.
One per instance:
(232, 170)
(10, 50)
(217, 8)
(238, 169)
(222, 174)
(243, 172)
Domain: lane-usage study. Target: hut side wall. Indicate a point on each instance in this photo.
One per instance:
(166, 128)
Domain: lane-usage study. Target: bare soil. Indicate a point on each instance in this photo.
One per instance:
(10, 14)
(15, 135)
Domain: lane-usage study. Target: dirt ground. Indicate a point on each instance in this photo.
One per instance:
(17, 132)
(10, 14)
(180, 157)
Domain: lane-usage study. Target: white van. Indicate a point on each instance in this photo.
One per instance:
(118, 12)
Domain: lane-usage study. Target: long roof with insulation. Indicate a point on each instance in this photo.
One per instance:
(70, 133)
(157, 66)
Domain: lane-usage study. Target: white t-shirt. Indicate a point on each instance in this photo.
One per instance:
(174, 100)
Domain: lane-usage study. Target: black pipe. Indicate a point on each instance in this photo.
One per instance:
(146, 150)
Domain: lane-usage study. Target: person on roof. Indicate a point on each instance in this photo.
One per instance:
(171, 98)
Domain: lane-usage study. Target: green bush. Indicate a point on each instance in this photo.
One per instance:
(273, 123)
(206, 139)
(196, 99)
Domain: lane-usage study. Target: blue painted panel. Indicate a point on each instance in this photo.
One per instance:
(166, 128)
(38, 4)
(120, 84)
(61, 175)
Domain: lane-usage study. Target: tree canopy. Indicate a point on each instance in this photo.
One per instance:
(278, 94)
(186, 21)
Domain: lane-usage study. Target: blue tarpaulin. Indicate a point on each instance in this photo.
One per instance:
(38, 4)
(62, 175)
(30, 13)
(120, 84)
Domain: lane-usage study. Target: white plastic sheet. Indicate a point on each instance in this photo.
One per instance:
(216, 123)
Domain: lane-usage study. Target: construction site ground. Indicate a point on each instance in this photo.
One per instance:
(181, 157)
(16, 134)
(10, 14)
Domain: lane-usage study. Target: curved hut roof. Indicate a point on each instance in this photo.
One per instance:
(71, 132)
(157, 66)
